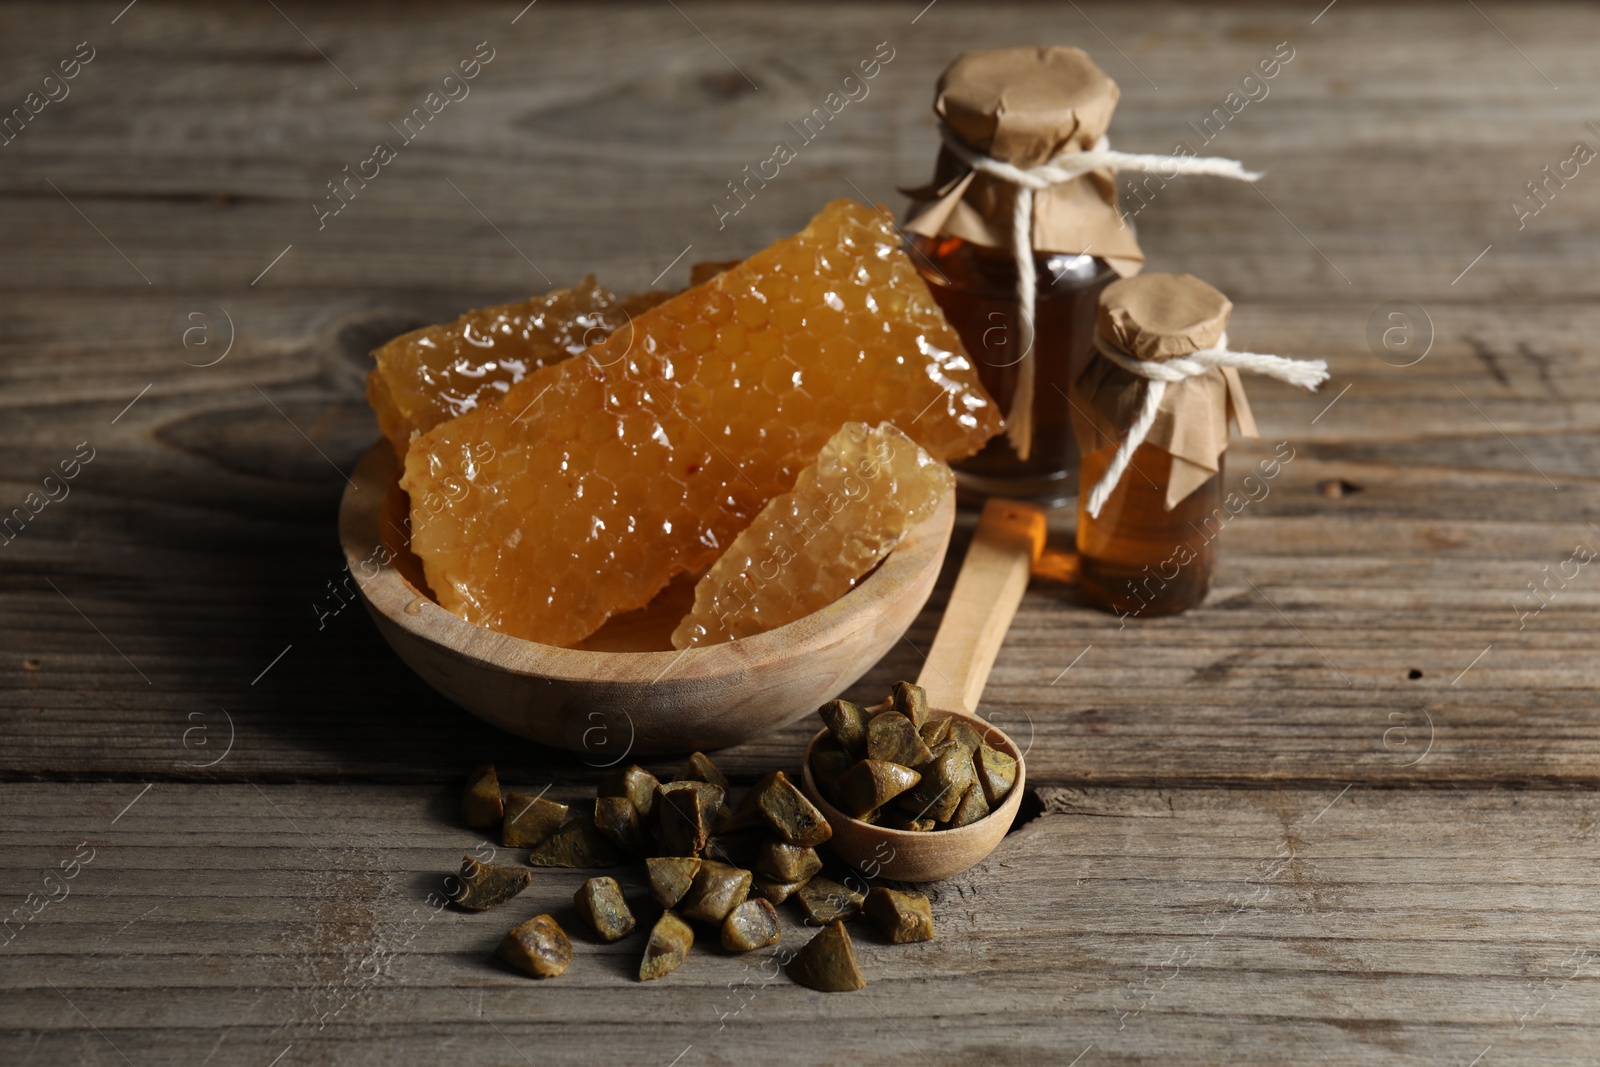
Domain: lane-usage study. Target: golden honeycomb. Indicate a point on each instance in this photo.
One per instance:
(429, 375)
(809, 546)
(594, 481)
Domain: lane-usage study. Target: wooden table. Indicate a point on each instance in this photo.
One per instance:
(1343, 813)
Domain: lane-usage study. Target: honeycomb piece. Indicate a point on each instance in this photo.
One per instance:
(809, 546)
(595, 481)
(701, 273)
(429, 375)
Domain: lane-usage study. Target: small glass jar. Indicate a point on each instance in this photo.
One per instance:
(1137, 558)
(1150, 549)
(976, 286)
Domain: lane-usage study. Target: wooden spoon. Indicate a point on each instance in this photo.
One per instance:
(1006, 544)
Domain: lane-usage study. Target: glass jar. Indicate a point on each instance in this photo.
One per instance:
(1150, 549)
(976, 286)
(1137, 558)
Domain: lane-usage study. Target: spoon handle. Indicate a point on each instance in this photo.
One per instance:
(1004, 548)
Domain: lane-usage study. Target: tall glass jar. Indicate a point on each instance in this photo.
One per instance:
(1021, 108)
(976, 286)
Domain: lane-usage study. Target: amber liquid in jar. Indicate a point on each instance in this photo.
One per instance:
(1138, 558)
(976, 286)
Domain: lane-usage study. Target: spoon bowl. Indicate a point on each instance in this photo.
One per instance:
(627, 692)
(914, 856)
(1005, 546)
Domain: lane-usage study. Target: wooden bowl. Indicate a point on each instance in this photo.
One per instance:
(627, 692)
(910, 856)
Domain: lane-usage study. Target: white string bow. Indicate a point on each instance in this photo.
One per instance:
(1306, 373)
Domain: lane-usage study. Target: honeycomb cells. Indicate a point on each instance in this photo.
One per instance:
(594, 481)
(809, 546)
(438, 372)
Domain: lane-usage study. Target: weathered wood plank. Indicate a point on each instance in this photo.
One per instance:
(1389, 87)
(1196, 926)
(1409, 574)
(198, 528)
(226, 921)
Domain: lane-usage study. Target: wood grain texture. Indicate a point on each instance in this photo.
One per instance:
(200, 539)
(1200, 889)
(1172, 926)
(206, 522)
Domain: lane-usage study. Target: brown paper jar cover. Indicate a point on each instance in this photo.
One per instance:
(1158, 317)
(1025, 106)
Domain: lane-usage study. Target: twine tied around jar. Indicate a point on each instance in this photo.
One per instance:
(1305, 373)
(1066, 167)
